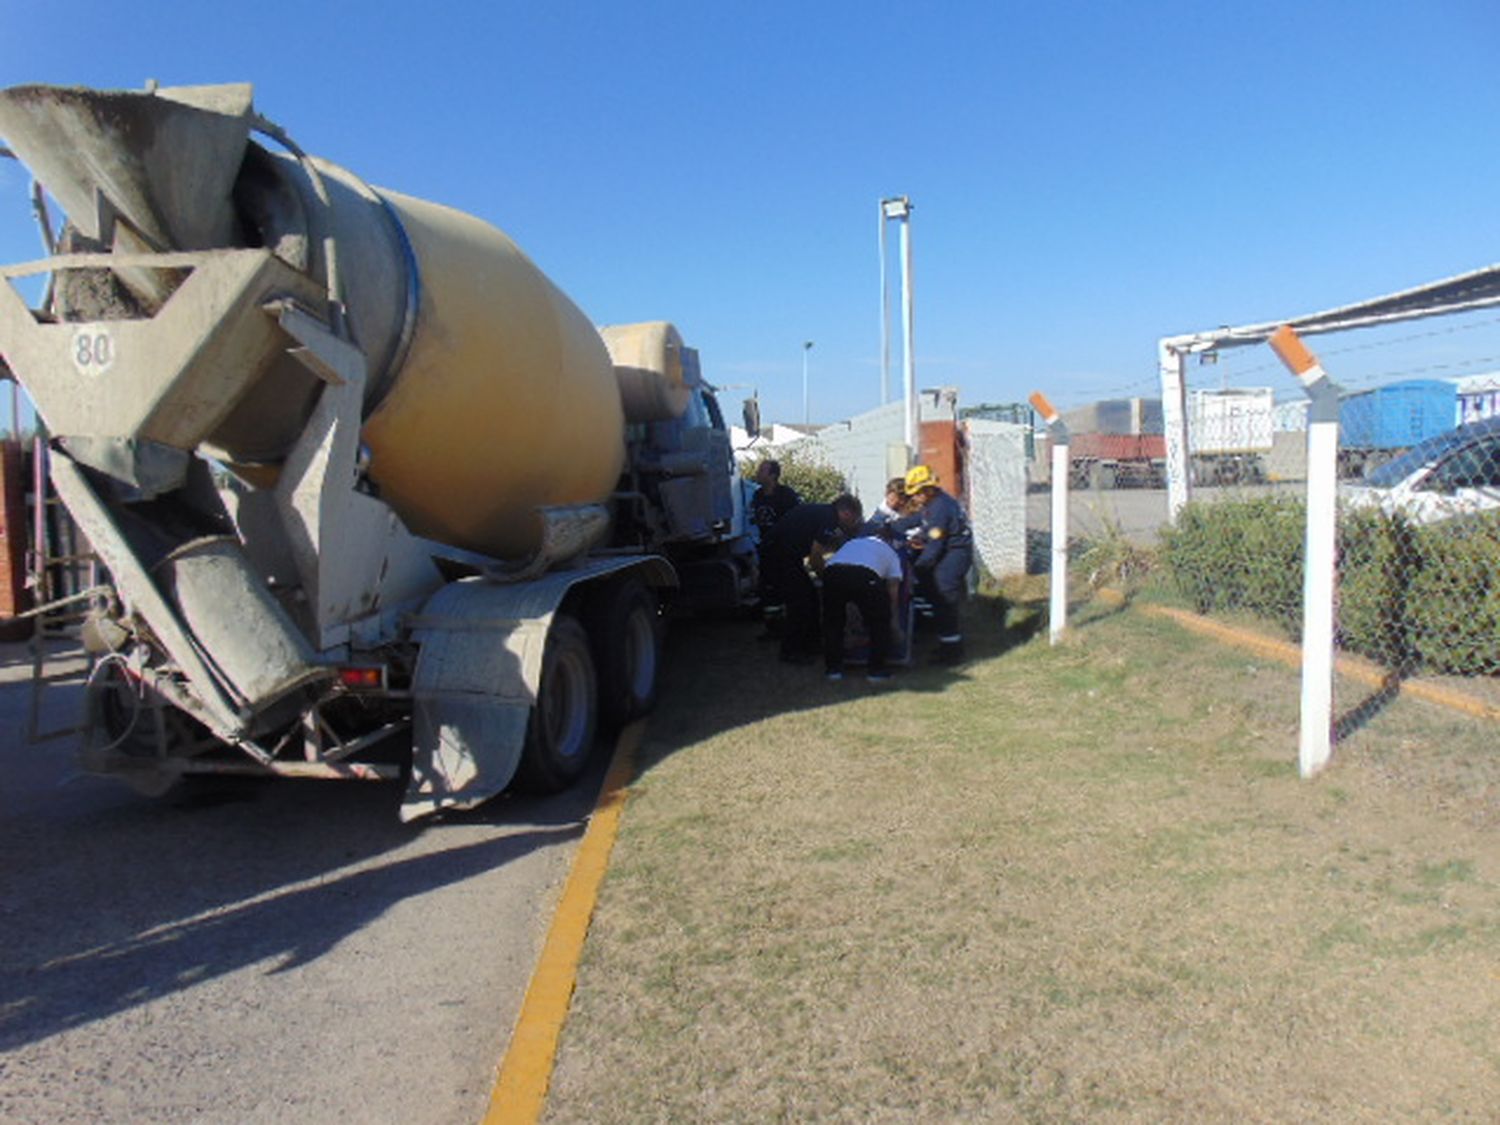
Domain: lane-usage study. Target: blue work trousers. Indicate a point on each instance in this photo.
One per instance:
(944, 584)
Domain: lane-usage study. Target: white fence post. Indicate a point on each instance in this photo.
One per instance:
(1174, 425)
(1320, 565)
(1058, 609)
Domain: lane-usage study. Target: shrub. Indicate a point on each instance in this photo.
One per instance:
(1110, 559)
(1196, 557)
(1240, 554)
(1406, 595)
(1376, 560)
(1453, 601)
(816, 481)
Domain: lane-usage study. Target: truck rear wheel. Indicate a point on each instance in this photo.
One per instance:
(560, 734)
(124, 717)
(626, 633)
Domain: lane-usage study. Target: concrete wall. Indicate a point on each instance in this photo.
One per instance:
(870, 448)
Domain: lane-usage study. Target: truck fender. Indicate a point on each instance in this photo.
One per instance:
(477, 676)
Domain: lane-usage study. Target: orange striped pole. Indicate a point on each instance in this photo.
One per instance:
(1319, 574)
(1057, 613)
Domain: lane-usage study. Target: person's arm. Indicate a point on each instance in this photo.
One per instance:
(943, 522)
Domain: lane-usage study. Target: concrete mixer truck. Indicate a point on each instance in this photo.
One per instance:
(359, 474)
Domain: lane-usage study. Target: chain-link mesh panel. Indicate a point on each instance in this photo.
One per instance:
(1419, 540)
(1417, 590)
(996, 480)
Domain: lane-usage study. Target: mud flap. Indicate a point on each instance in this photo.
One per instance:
(478, 674)
(464, 751)
(475, 682)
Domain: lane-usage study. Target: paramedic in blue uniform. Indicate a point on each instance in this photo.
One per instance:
(942, 565)
(786, 550)
(866, 573)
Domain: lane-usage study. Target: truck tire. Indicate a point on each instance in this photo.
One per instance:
(560, 733)
(625, 628)
(125, 726)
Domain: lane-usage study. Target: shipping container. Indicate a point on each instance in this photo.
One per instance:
(1398, 415)
(1236, 421)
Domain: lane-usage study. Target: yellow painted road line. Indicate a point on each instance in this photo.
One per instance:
(1364, 671)
(521, 1090)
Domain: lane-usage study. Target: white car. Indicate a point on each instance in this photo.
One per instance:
(1453, 474)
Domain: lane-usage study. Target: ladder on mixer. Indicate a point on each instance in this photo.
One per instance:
(63, 576)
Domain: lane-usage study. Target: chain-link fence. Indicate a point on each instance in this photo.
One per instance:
(1403, 516)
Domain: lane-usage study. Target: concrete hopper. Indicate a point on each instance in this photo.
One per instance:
(161, 161)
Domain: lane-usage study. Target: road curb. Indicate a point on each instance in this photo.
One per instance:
(520, 1092)
(1364, 671)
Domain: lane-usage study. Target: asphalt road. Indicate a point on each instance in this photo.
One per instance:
(257, 951)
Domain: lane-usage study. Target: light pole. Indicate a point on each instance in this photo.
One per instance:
(885, 315)
(899, 208)
(806, 412)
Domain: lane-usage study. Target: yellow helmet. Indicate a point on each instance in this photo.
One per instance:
(919, 477)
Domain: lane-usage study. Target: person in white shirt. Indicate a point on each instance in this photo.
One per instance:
(864, 572)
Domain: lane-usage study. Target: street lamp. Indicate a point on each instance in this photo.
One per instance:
(898, 209)
(806, 413)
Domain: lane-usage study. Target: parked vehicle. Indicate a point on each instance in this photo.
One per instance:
(1116, 443)
(358, 471)
(1230, 434)
(1454, 474)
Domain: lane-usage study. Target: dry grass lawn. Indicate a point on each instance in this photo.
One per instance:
(1081, 883)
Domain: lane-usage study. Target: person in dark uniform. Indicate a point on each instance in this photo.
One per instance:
(785, 553)
(865, 573)
(942, 564)
(771, 501)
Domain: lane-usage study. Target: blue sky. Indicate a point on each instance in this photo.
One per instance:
(1087, 177)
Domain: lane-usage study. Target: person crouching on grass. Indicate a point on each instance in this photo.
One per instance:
(866, 573)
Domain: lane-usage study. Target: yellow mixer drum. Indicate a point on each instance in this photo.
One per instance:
(506, 400)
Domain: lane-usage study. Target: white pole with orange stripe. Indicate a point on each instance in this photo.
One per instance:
(1058, 612)
(1319, 568)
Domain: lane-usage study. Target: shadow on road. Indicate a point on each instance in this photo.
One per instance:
(54, 993)
(109, 900)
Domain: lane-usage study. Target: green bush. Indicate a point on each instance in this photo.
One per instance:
(1376, 560)
(1407, 596)
(1453, 601)
(815, 480)
(1240, 555)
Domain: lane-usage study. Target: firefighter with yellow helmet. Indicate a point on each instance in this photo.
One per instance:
(942, 565)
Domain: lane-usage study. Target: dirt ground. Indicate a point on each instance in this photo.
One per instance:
(1072, 883)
